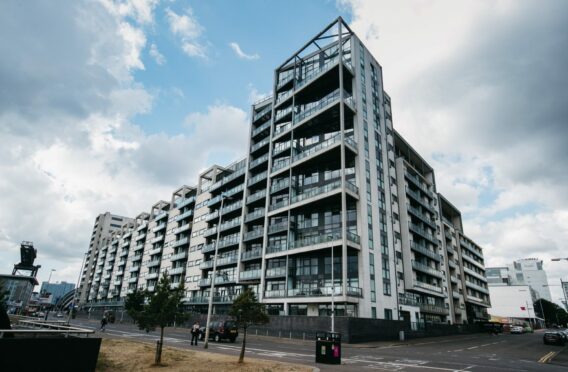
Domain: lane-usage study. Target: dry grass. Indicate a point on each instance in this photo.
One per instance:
(123, 355)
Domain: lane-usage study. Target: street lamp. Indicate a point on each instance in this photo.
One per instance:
(76, 290)
(212, 288)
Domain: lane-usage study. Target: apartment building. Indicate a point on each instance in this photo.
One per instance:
(105, 225)
(329, 201)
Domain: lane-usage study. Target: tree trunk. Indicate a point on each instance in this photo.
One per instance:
(242, 356)
(158, 359)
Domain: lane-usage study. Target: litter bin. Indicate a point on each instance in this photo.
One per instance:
(328, 347)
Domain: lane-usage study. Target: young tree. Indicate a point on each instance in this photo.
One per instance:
(247, 311)
(156, 309)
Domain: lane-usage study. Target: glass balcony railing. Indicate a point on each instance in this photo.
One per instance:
(261, 128)
(314, 149)
(280, 185)
(218, 280)
(316, 106)
(257, 178)
(276, 272)
(422, 232)
(249, 255)
(283, 163)
(154, 263)
(254, 215)
(282, 113)
(280, 204)
(425, 251)
(262, 113)
(178, 256)
(177, 270)
(179, 242)
(182, 228)
(275, 293)
(182, 202)
(160, 215)
(315, 73)
(281, 128)
(250, 274)
(260, 144)
(253, 234)
(230, 224)
(427, 286)
(315, 191)
(426, 269)
(255, 162)
(256, 196)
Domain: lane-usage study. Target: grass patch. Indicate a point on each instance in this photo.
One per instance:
(125, 356)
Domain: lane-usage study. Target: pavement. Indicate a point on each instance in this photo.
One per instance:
(477, 352)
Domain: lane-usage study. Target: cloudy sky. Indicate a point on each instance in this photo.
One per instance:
(107, 106)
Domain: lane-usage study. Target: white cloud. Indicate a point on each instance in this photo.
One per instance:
(187, 28)
(70, 147)
(255, 95)
(238, 51)
(464, 90)
(155, 53)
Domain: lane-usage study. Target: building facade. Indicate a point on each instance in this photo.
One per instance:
(55, 291)
(528, 271)
(329, 201)
(19, 290)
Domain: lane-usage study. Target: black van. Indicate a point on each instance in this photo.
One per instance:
(221, 330)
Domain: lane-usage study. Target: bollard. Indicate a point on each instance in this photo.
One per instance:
(290, 335)
(256, 332)
(401, 335)
(279, 334)
(267, 332)
(304, 336)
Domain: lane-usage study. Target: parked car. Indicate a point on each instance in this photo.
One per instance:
(517, 329)
(221, 330)
(554, 338)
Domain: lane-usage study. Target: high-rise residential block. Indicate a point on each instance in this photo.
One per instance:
(327, 187)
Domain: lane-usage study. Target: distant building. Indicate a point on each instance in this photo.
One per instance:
(498, 276)
(19, 289)
(514, 302)
(527, 271)
(54, 291)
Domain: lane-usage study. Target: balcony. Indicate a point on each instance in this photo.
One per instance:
(259, 145)
(218, 280)
(133, 280)
(230, 224)
(425, 251)
(134, 269)
(239, 172)
(117, 282)
(182, 202)
(250, 275)
(471, 248)
(257, 178)
(256, 196)
(256, 162)
(157, 239)
(155, 251)
(423, 233)
(123, 253)
(142, 226)
(221, 261)
(205, 299)
(316, 72)
(178, 256)
(151, 276)
(210, 231)
(225, 242)
(416, 212)
(183, 216)
(416, 181)
(159, 227)
(254, 215)
(153, 263)
(320, 147)
(284, 113)
(427, 286)
(416, 196)
(182, 228)
(316, 191)
(477, 287)
(250, 255)
(253, 234)
(177, 270)
(433, 309)
(279, 164)
(261, 128)
(262, 113)
(125, 243)
(280, 185)
(161, 215)
(281, 128)
(276, 272)
(427, 269)
(475, 274)
(179, 242)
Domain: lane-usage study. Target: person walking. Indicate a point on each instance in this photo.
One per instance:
(195, 333)
(104, 322)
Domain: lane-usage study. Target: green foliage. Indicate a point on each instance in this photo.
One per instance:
(247, 310)
(160, 308)
(156, 309)
(553, 313)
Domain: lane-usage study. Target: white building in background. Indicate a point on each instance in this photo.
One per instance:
(529, 271)
(512, 301)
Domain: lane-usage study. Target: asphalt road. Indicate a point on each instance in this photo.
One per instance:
(479, 352)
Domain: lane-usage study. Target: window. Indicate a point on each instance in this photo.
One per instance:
(374, 312)
(388, 314)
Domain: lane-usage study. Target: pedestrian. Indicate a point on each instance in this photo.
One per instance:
(195, 333)
(104, 322)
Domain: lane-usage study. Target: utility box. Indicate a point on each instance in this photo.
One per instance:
(328, 347)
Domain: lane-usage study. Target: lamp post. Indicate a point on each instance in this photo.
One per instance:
(76, 290)
(212, 288)
(330, 238)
